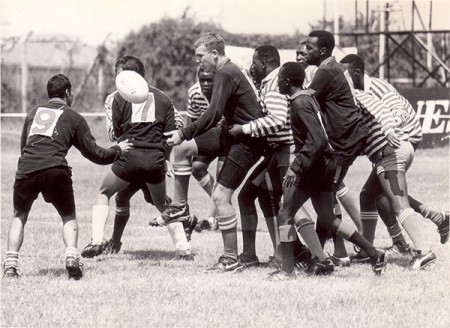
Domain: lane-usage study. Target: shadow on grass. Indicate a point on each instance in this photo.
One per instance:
(152, 254)
(56, 272)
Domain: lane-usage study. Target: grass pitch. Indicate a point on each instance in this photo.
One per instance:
(146, 285)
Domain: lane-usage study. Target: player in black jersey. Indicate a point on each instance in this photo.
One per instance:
(48, 133)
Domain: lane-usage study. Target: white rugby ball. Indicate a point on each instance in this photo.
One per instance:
(132, 87)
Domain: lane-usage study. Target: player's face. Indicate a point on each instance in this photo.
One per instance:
(258, 68)
(356, 76)
(301, 55)
(206, 82)
(312, 51)
(205, 58)
(282, 82)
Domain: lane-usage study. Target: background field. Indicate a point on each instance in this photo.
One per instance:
(145, 285)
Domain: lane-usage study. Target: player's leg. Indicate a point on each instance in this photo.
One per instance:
(391, 173)
(109, 185)
(350, 204)
(293, 199)
(240, 158)
(399, 246)
(57, 189)
(346, 230)
(15, 240)
(200, 172)
(175, 229)
(121, 217)
(252, 189)
(440, 219)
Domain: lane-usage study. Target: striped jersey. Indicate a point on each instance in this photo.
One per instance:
(179, 121)
(276, 124)
(376, 139)
(197, 102)
(407, 124)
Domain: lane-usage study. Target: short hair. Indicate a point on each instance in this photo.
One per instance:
(212, 41)
(269, 54)
(130, 63)
(294, 72)
(354, 60)
(325, 39)
(57, 86)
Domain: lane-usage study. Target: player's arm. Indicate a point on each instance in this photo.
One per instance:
(276, 118)
(85, 142)
(24, 134)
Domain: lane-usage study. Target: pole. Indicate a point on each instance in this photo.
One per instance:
(382, 46)
(24, 73)
(336, 22)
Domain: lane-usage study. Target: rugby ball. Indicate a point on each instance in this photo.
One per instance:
(132, 87)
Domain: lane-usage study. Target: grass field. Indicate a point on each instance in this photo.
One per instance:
(145, 285)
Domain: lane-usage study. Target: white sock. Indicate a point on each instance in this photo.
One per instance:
(99, 216)
(176, 232)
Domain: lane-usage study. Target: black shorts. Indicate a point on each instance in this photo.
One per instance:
(54, 183)
(239, 160)
(209, 143)
(141, 165)
(318, 179)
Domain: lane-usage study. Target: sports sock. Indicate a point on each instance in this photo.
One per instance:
(433, 216)
(71, 252)
(357, 239)
(228, 227)
(181, 188)
(207, 183)
(396, 234)
(274, 233)
(306, 230)
(249, 224)
(12, 260)
(369, 224)
(410, 221)
(287, 238)
(120, 221)
(99, 216)
(176, 232)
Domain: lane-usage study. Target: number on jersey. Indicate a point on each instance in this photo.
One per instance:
(44, 121)
(145, 112)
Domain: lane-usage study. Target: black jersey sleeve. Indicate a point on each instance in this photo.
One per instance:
(87, 145)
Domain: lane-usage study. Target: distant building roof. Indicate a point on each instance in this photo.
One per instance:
(48, 51)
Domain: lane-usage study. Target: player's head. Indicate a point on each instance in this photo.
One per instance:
(265, 59)
(205, 80)
(59, 86)
(208, 48)
(290, 77)
(319, 46)
(130, 63)
(301, 54)
(355, 67)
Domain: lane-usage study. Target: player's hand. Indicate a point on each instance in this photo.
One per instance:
(174, 138)
(125, 145)
(236, 130)
(289, 178)
(393, 140)
(169, 170)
